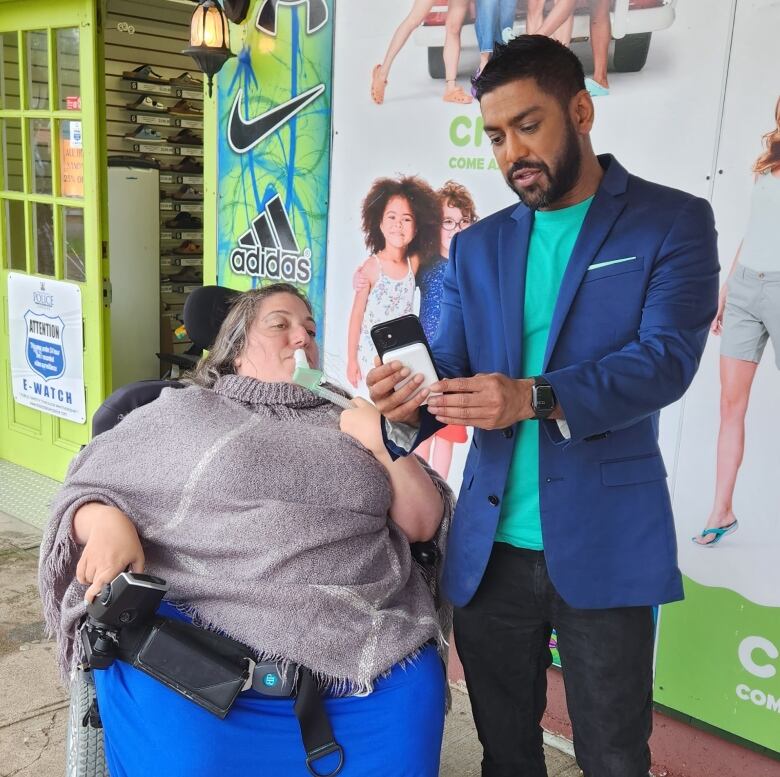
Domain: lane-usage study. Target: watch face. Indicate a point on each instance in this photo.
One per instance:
(543, 398)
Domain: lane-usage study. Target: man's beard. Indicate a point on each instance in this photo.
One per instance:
(567, 171)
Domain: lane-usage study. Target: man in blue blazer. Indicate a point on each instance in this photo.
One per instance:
(567, 323)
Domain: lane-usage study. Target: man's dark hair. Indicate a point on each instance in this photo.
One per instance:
(554, 67)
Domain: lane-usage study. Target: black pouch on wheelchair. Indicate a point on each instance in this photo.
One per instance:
(207, 668)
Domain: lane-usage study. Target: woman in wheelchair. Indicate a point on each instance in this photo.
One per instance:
(277, 520)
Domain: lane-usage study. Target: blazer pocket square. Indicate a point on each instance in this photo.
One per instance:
(607, 269)
(599, 265)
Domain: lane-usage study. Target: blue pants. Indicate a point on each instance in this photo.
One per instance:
(493, 17)
(150, 730)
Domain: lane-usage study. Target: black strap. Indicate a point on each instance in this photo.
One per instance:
(317, 735)
(92, 716)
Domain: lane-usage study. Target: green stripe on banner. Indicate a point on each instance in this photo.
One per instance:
(274, 119)
(718, 661)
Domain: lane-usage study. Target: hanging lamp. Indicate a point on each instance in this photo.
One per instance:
(209, 39)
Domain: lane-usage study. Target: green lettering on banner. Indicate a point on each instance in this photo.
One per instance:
(466, 131)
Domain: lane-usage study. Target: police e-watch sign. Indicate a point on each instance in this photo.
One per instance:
(46, 344)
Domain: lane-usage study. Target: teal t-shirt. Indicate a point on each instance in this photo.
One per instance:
(552, 241)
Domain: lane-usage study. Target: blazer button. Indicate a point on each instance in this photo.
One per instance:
(494, 500)
(508, 433)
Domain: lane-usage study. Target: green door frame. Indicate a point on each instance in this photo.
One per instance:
(35, 440)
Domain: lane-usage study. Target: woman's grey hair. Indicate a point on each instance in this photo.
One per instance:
(232, 336)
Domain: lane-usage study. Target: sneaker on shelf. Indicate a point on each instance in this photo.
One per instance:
(188, 275)
(188, 247)
(186, 137)
(148, 104)
(145, 134)
(185, 192)
(184, 220)
(145, 73)
(167, 269)
(188, 164)
(185, 79)
(185, 108)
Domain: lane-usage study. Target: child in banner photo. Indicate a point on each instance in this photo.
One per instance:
(456, 16)
(401, 221)
(458, 212)
(748, 315)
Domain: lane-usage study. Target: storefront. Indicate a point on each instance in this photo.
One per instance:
(102, 201)
(268, 180)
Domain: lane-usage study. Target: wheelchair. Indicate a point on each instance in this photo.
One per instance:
(204, 312)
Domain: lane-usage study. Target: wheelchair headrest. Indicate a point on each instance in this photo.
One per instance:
(125, 399)
(204, 312)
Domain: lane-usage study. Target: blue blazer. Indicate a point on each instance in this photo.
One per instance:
(627, 333)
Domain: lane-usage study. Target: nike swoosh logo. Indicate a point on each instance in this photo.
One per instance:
(244, 135)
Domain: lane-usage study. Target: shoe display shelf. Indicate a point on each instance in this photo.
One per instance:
(167, 121)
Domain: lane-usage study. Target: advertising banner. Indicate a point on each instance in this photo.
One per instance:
(396, 116)
(412, 166)
(274, 115)
(719, 650)
(47, 345)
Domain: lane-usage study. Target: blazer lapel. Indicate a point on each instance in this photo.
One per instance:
(512, 260)
(601, 217)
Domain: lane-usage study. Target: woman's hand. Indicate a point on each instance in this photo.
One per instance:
(717, 324)
(364, 424)
(353, 373)
(111, 545)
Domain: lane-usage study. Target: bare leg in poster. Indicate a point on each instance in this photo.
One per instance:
(456, 16)
(600, 37)
(559, 25)
(736, 380)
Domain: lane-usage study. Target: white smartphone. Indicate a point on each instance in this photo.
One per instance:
(403, 340)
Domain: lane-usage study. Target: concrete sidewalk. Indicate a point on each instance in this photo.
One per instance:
(33, 715)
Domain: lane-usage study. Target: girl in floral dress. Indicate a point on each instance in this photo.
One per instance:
(401, 222)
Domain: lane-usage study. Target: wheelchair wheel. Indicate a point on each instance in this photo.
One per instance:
(85, 753)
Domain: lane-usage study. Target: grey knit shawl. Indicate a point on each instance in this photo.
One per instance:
(269, 524)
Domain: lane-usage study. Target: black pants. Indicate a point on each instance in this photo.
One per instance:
(503, 636)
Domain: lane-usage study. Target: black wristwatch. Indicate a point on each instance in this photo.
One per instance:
(542, 398)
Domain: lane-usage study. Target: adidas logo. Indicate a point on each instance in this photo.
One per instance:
(269, 248)
(316, 15)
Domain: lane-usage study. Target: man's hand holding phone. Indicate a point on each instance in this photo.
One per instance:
(402, 406)
(491, 401)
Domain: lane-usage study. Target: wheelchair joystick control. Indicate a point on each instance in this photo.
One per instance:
(127, 598)
(105, 595)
